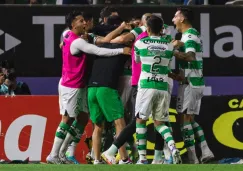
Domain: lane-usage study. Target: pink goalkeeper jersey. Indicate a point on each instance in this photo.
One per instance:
(73, 67)
(136, 67)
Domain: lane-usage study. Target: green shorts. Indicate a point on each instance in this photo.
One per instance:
(104, 103)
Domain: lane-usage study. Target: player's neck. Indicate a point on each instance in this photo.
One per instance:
(152, 34)
(76, 32)
(185, 28)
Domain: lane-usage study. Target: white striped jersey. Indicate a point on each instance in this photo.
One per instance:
(155, 53)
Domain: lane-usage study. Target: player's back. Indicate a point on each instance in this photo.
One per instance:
(155, 53)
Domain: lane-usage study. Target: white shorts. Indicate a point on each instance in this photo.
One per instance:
(125, 90)
(72, 101)
(152, 101)
(189, 99)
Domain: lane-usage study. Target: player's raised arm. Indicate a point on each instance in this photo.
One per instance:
(81, 45)
(111, 35)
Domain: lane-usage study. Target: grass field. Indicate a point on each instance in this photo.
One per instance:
(184, 167)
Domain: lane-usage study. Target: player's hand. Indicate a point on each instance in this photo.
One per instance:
(177, 43)
(61, 45)
(85, 36)
(125, 25)
(127, 51)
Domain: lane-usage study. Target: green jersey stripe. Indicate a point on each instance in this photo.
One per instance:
(153, 85)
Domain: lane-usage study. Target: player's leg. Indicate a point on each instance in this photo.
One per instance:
(128, 131)
(76, 130)
(68, 115)
(97, 118)
(195, 104)
(112, 107)
(143, 109)
(158, 149)
(159, 113)
(184, 95)
(166, 150)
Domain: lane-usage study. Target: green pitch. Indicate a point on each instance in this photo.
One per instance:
(184, 167)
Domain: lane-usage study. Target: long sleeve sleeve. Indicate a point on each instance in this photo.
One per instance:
(81, 45)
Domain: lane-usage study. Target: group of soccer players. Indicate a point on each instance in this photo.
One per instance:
(102, 92)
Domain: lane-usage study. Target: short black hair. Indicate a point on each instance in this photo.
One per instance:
(11, 74)
(155, 24)
(87, 16)
(187, 13)
(136, 18)
(114, 20)
(71, 16)
(107, 11)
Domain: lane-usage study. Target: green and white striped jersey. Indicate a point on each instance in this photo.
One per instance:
(138, 30)
(155, 53)
(193, 70)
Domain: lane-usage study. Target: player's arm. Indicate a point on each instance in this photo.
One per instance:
(137, 53)
(190, 49)
(81, 45)
(111, 35)
(123, 39)
(189, 56)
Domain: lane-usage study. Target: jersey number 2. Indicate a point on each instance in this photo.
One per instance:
(153, 68)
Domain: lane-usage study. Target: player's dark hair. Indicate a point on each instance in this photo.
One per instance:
(155, 24)
(71, 16)
(114, 20)
(11, 74)
(187, 13)
(87, 16)
(107, 11)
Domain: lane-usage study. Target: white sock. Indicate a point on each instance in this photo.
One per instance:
(56, 146)
(65, 144)
(71, 149)
(112, 150)
(167, 151)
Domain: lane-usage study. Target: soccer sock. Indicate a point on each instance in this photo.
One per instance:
(165, 132)
(141, 134)
(200, 138)
(125, 134)
(59, 138)
(158, 155)
(188, 136)
(166, 150)
(128, 131)
(112, 150)
(74, 135)
(158, 149)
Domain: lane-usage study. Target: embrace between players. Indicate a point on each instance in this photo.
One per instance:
(98, 98)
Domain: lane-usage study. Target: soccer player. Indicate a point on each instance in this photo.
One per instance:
(94, 39)
(72, 86)
(191, 88)
(154, 52)
(104, 101)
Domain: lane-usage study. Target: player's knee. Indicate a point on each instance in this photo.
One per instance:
(185, 118)
(98, 128)
(83, 118)
(68, 120)
(120, 123)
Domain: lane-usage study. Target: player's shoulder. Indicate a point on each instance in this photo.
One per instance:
(191, 34)
(64, 33)
(138, 30)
